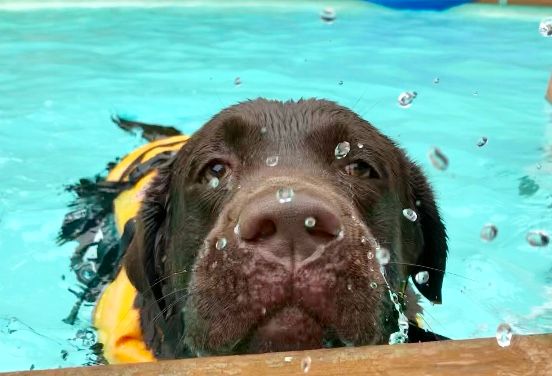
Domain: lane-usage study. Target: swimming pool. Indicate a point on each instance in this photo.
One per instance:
(64, 70)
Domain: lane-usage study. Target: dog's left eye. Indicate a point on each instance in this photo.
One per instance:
(361, 169)
(215, 171)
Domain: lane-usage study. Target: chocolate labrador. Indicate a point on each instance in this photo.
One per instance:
(282, 226)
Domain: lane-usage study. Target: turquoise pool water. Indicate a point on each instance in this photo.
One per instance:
(65, 70)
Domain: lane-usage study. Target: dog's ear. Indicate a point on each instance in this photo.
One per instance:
(433, 254)
(143, 259)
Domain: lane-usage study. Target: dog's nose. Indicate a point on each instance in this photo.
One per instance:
(289, 229)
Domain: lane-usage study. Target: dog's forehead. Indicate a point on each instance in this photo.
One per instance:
(290, 116)
(305, 131)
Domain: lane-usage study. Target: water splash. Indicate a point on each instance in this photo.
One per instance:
(538, 238)
(285, 195)
(406, 98)
(342, 149)
(272, 161)
(489, 232)
(504, 335)
(310, 222)
(221, 244)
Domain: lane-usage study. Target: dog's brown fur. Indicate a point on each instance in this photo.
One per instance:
(195, 299)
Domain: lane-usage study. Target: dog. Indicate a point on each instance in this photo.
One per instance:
(284, 226)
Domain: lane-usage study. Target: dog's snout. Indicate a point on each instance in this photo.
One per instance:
(289, 230)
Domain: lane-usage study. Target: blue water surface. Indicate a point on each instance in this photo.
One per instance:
(65, 70)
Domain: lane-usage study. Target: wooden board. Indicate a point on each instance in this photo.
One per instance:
(527, 355)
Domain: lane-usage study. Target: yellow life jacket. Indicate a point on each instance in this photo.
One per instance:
(115, 318)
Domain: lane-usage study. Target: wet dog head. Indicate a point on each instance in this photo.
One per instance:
(270, 231)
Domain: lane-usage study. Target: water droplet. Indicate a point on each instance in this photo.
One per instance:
(438, 159)
(340, 234)
(539, 166)
(340, 83)
(237, 229)
(504, 335)
(489, 232)
(545, 27)
(475, 93)
(272, 161)
(288, 359)
(237, 81)
(403, 323)
(397, 337)
(221, 244)
(342, 149)
(374, 243)
(285, 195)
(349, 287)
(373, 285)
(418, 203)
(538, 238)
(436, 80)
(263, 130)
(383, 256)
(422, 277)
(214, 182)
(328, 15)
(263, 311)
(406, 98)
(410, 215)
(310, 222)
(370, 255)
(360, 146)
(86, 273)
(482, 141)
(306, 364)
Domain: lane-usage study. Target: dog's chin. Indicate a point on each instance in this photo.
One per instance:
(288, 329)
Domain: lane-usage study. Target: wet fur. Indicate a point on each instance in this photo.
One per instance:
(195, 300)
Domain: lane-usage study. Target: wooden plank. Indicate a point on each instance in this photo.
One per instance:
(527, 355)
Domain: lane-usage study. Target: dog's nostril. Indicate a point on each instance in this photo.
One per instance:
(318, 230)
(266, 228)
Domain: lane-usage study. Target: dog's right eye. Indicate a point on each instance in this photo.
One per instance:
(214, 172)
(361, 169)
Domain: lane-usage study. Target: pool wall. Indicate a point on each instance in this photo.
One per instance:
(517, 2)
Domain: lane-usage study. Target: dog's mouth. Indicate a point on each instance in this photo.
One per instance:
(288, 329)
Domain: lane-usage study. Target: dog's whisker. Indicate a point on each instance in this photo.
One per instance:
(179, 300)
(165, 278)
(359, 98)
(426, 323)
(148, 306)
(370, 108)
(435, 269)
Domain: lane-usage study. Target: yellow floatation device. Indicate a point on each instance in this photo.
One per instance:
(115, 318)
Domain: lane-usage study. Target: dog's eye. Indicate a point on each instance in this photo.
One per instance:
(361, 169)
(214, 172)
